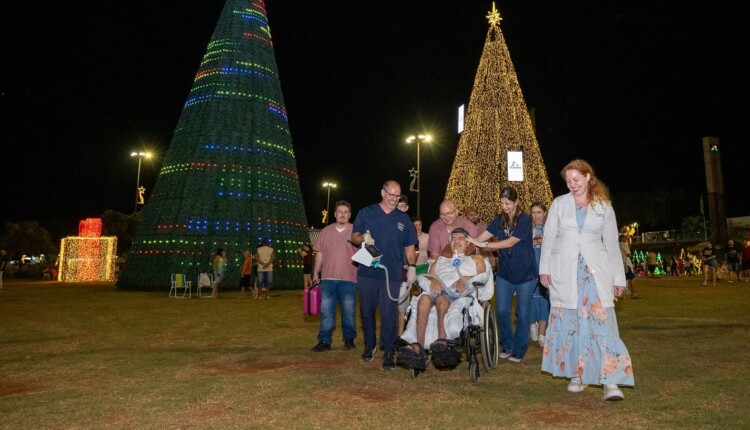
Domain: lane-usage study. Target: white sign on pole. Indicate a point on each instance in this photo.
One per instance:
(515, 166)
(461, 119)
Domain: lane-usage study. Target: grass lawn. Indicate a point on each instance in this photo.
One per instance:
(87, 356)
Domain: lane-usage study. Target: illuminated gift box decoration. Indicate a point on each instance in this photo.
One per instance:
(88, 256)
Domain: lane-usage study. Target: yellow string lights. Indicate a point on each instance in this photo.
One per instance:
(497, 121)
(88, 257)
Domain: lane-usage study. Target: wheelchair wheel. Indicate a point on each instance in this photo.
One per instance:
(474, 371)
(488, 338)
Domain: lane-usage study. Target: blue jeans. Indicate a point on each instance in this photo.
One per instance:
(516, 342)
(265, 280)
(344, 293)
(373, 295)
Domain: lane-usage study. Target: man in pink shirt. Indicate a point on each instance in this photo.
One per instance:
(440, 230)
(334, 266)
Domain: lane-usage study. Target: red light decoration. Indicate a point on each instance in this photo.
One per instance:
(90, 227)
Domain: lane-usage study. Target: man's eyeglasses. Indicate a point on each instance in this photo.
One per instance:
(395, 196)
(448, 213)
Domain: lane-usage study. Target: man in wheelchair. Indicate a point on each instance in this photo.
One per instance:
(450, 278)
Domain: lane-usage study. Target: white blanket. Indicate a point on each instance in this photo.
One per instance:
(453, 320)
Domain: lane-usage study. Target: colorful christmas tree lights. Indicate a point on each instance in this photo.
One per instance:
(229, 179)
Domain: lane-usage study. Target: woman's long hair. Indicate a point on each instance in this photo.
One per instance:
(508, 221)
(598, 192)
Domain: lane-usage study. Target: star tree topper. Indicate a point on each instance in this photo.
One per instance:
(494, 16)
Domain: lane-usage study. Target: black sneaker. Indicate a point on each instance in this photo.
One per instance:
(321, 346)
(389, 362)
(369, 354)
(349, 344)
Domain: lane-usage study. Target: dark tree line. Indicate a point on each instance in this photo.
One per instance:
(657, 209)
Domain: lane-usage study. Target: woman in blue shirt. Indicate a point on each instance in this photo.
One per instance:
(540, 301)
(517, 272)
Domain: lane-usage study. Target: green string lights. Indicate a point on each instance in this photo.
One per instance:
(229, 179)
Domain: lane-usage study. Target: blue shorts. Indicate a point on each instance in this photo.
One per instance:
(711, 263)
(733, 267)
(265, 280)
(450, 297)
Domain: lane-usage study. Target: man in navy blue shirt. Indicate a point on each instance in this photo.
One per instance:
(392, 232)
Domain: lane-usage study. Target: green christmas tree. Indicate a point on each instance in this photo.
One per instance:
(229, 179)
(497, 121)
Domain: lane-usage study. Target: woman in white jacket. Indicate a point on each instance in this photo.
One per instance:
(582, 267)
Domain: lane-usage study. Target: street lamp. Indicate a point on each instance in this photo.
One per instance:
(419, 139)
(138, 192)
(328, 185)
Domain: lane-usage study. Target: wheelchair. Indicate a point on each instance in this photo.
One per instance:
(471, 329)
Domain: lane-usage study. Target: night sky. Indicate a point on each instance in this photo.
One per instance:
(631, 87)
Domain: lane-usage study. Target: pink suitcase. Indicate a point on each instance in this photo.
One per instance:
(311, 300)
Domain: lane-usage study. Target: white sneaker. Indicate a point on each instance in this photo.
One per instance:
(505, 354)
(576, 386)
(534, 331)
(541, 341)
(612, 392)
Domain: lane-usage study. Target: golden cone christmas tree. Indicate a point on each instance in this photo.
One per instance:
(497, 121)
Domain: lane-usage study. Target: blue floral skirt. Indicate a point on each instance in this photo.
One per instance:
(585, 342)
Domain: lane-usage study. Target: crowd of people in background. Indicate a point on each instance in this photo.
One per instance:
(730, 262)
(711, 264)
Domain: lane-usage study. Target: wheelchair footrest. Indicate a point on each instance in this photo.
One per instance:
(445, 353)
(411, 359)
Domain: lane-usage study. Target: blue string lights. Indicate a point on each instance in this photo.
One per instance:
(229, 179)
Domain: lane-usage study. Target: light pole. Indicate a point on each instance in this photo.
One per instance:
(140, 156)
(328, 185)
(419, 139)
